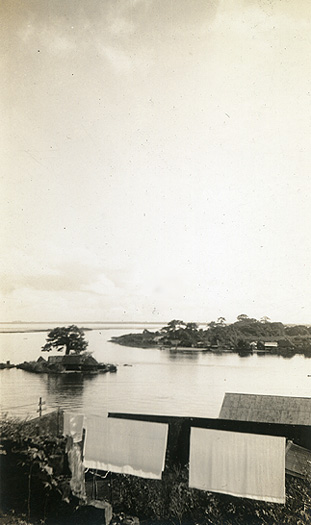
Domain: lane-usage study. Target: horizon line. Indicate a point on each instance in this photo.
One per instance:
(133, 322)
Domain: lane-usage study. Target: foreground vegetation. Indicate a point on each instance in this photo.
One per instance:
(36, 487)
(241, 336)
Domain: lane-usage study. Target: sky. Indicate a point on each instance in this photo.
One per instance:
(155, 160)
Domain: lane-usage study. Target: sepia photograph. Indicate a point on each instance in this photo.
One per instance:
(155, 270)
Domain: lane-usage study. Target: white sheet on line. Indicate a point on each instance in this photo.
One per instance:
(73, 426)
(243, 465)
(126, 446)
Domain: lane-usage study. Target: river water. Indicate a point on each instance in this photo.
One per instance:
(150, 381)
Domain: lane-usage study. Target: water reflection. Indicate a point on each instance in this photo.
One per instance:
(65, 387)
(288, 355)
(182, 354)
(70, 383)
(245, 353)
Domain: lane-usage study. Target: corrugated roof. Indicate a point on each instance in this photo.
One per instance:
(298, 461)
(266, 409)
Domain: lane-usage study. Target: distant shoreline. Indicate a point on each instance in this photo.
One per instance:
(14, 328)
(18, 331)
(31, 331)
(84, 322)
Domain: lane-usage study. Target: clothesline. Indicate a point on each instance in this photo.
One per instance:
(243, 465)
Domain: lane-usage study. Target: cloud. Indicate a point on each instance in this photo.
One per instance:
(257, 18)
(68, 277)
(61, 44)
(120, 60)
(121, 26)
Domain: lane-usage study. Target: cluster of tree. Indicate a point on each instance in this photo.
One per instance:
(178, 333)
(236, 336)
(244, 330)
(240, 334)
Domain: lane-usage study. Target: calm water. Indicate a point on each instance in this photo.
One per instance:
(147, 381)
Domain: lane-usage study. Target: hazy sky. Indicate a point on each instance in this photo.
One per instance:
(155, 159)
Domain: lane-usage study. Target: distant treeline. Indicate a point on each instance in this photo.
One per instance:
(244, 336)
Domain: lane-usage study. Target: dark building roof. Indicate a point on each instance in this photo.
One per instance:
(55, 359)
(79, 362)
(266, 409)
(73, 360)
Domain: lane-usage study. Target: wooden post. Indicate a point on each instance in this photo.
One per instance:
(41, 403)
(40, 406)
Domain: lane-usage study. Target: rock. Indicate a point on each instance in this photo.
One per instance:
(6, 365)
(106, 367)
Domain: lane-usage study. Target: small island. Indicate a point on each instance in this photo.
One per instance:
(245, 336)
(76, 358)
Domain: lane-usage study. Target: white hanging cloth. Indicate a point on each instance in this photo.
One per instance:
(126, 446)
(243, 465)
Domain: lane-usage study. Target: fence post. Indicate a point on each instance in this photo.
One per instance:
(41, 403)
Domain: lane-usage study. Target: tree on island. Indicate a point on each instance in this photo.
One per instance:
(71, 338)
(173, 326)
(265, 319)
(242, 317)
(192, 327)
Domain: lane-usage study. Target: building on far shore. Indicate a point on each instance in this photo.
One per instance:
(267, 346)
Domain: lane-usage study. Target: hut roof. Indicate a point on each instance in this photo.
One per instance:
(73, 359)
(266, 409)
